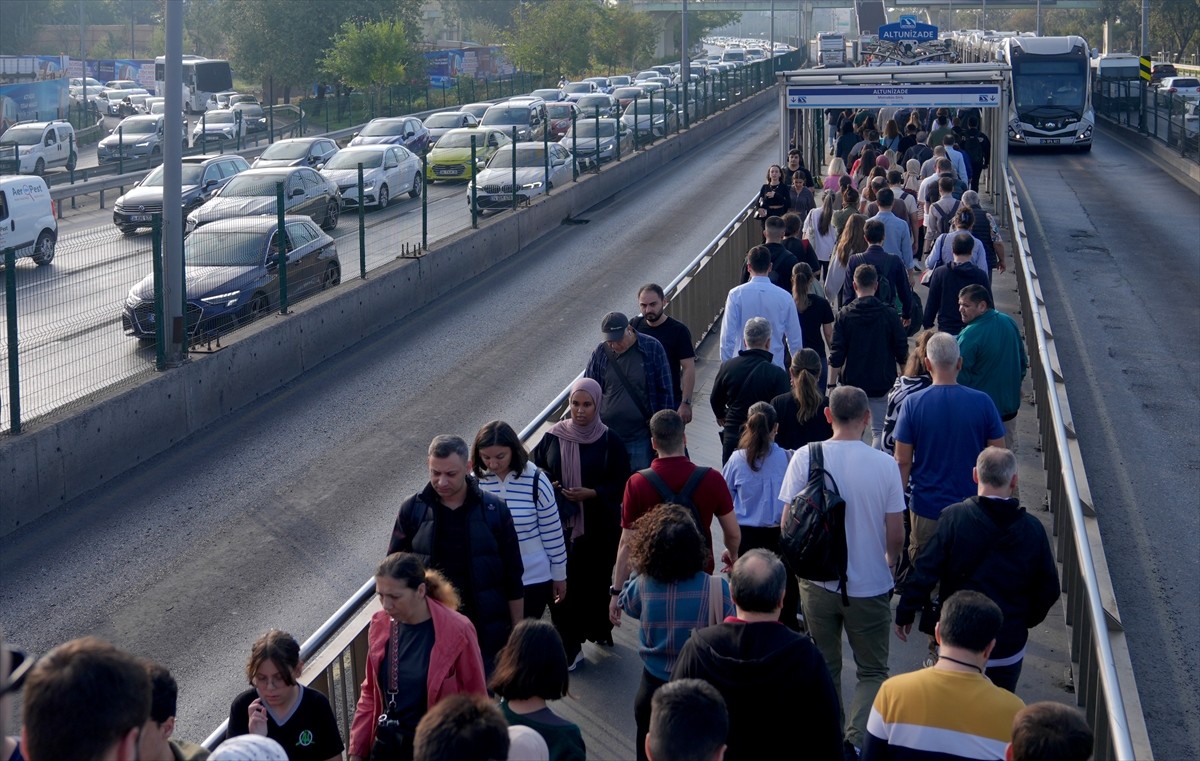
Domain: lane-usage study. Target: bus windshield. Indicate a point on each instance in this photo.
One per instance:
(1049, 84)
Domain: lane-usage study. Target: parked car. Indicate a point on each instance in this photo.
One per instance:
(526, 115)
(388, 170)
(584, 139)
(233, 273)
(575, 89)
(399, 130)
(27, 220)
(201, 178)
(602, 84)
(477, 109)
(607, 105)
(219, 100)
(560, 115)
(1184, 87)
(253, 116)
(37, 146)
(297, 151)
(651, 120)
(136, 137)
(549, 94)
(217, 125)
(450, 158)
(253, 192)
(440, 124)
(494, 185)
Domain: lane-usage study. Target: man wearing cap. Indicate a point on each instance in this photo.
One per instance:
(635, 375)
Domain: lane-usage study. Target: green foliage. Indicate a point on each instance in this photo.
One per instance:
(623, 38)
(554, 36)
(369, 55)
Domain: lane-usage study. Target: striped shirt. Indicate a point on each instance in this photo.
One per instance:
(940, 715)
(539, 532)
(668, 613)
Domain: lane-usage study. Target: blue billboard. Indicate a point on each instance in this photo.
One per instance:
(33, 101)
(906, 29)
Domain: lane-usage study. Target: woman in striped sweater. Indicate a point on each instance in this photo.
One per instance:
(503, 468)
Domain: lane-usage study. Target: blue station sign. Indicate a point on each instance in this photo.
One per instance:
(908, 29)
(876, 96)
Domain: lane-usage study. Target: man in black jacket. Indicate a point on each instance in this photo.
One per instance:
(782, 259)
(868, 343)
(468, 535)
(769, 676)
(751, 376)
(886, 264)
(988, 543)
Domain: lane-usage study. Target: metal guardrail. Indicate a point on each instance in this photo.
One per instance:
(1104, 679)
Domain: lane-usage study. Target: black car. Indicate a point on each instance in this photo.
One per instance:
(254, 192)
(297, 151)
(252, 114)
(232, 269)
(202, 177)
(1161, 71)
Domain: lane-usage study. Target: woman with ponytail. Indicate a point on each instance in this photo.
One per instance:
(801, 411)
(816, 316)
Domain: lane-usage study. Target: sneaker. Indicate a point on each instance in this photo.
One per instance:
(575, 663)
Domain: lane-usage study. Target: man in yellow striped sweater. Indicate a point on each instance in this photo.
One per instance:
(950, 711)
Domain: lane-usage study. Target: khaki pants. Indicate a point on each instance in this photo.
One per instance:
(867, 622)
(922, 531)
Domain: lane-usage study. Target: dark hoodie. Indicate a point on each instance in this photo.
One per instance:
(776, 687)
(868, 343)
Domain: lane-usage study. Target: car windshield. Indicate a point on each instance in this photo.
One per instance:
(219, 117)
(350, 159)
(210, 248)
(527, 157)
(382, 129)
(462, 140)
(250, 110)
(578, 87)
(286, 150)
(545, 93)
(588, 129)
(644, 107)
(22, 135)
(191, 176)
(138, 126)
(444, 120)
(506, 116)
(591, 101)
(248, 186)
(559, 110)
(627, 92)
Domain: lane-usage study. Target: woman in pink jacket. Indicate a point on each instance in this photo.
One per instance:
(419, 650)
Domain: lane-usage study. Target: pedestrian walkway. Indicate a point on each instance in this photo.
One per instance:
(602, 690)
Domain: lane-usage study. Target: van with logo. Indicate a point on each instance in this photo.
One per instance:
(27, 220)
(34, 147)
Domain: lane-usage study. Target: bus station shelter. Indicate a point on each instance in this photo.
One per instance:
(806, 94)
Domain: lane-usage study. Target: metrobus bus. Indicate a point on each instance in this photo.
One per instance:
(1050, 92)
(202, 77)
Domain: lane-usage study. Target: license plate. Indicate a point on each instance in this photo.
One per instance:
(444, 170)
(140, 217)
(1051, 140)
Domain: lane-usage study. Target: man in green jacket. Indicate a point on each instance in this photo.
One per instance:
(994, 360)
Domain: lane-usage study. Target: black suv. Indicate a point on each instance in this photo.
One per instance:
(202, 176)
(1160, 71)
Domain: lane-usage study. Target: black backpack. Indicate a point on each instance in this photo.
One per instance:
(973, 147)
(814, 528)
(684, 497)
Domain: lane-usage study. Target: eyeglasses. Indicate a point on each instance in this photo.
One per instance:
(19, 664)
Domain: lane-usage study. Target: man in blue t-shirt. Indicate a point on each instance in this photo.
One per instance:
(939, 433)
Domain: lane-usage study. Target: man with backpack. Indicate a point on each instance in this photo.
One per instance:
(674, 479)
(741, 381)
(939, 213)
(869, 483)
(978, 149)
(894, 287)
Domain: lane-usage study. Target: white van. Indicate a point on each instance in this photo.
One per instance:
(38, 146)
(736, 56)
(27, 220)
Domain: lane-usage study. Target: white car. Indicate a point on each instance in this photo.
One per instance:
(388, 170)
(147, 105)
(76, 85)
(216, 125)
(219, 100)
(1184, 87)
(494, 185)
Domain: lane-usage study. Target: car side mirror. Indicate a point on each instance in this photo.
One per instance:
(297, 192)
(391, 165)
(409, 134)
(319, 165)
(210, 182)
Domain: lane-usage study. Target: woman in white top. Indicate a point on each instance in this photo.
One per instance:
(503, 468)
(820, 232)
(755, 473)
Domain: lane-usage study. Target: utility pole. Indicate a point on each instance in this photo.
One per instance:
(1145, 28)
(1038, 26)
(173, 287)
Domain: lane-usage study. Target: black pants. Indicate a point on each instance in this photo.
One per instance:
(641, 709)
(537, 598)
(767, 538)
(1006, 677)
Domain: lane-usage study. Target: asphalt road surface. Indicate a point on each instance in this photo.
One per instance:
(1115, 243)
(273, 517)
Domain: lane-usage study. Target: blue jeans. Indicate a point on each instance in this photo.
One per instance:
(639, 453)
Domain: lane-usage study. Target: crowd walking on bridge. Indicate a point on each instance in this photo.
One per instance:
(839, 410)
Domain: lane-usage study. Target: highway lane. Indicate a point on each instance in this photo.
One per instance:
(1115, 243)
(275, 515)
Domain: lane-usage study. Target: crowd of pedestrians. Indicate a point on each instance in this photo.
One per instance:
(509, 560)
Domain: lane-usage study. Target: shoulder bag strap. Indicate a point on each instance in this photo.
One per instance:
(627, 384)
(693, 481)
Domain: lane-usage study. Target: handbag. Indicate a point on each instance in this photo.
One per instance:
(931, 611)
(391, 742)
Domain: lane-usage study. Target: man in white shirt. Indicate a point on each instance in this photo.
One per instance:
(759, 297)
(869, 481)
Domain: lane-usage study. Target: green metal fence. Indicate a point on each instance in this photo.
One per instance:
(1164, 116)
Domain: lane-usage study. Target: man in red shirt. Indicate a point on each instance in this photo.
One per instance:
(710, 497)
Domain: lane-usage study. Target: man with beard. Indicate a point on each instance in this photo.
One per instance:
(676, 340)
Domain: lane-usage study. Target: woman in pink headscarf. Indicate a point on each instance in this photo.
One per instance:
(588, 466)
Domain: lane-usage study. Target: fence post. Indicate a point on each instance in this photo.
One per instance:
(204, 132)
(617, 139)
(637, 140)
(596, 114)
(160, 331)
(10, 316)
(281, 238)
(474, 185)
(574, 146)
(271, 113)
(120, 149)
(424, 202)
(362, 227)
(546, 158)
(514, 168)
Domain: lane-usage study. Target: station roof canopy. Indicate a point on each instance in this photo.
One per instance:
(933, 73)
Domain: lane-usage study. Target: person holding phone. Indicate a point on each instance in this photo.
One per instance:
(279, 707)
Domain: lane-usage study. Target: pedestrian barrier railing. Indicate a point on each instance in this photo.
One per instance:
(335, 656)
(1163, 116)
(1103, 673)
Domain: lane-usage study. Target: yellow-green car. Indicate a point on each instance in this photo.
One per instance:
(450, 157)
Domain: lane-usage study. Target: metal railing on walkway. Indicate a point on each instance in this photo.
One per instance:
(1104, 681)
(1166, 117)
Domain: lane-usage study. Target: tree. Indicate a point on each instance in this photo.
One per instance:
(554, 36)
(623, 38)
(369, 56)
(1174, 24)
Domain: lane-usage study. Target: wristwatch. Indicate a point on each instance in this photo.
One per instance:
(614, 591)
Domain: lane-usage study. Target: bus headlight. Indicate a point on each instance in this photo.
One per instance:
(1084, 134)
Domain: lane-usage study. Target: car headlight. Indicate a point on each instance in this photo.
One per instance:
(368, 184)
(146, 144)
(227, 299)
(531, 185)
(192, 221)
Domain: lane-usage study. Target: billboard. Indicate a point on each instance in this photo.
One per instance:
(908, 28)
(108, 69)
(28, 101)
(446, 66)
